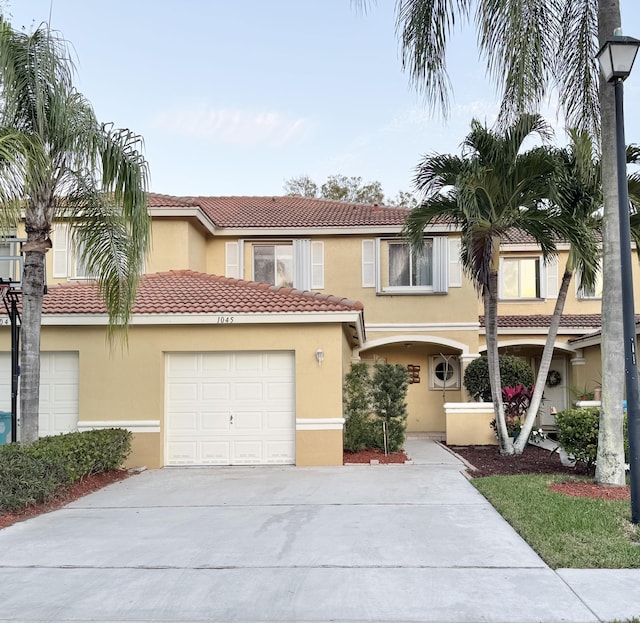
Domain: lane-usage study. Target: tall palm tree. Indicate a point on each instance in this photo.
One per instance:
(491, 189)
(80, 171)
(529, 48)
(576, 190)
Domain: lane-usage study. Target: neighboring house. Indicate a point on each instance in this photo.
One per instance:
(221, 368)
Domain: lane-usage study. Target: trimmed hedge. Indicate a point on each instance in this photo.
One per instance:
(513, 372)
(32, 474)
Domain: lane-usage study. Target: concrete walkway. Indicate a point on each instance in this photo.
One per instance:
(398, 543)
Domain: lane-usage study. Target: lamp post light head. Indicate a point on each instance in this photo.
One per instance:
(616, 57)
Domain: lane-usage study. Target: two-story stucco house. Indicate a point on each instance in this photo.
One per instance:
(251, 311)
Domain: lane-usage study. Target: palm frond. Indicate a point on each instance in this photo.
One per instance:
(575, 67)
(424, 27)
(516, 39)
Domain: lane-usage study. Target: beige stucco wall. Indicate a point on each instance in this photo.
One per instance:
(128, 384)
(469, 424)
(176, 244)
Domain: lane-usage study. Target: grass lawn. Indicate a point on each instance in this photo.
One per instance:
(570, 532)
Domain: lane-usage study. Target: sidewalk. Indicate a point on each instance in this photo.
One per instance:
(397, 543)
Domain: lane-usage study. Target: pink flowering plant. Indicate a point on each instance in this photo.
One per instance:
(516, 402)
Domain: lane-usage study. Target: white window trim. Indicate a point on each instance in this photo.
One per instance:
(542, 277)
(440, 250)
(580, 295)
(435, 382)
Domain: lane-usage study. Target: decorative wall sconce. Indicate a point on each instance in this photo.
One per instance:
(320, 356)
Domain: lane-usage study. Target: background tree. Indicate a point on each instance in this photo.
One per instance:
(348, 189)
(530, 48)
(77, 170)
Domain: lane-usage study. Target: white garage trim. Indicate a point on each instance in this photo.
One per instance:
(230, 408)
(134, 426)
(312, 423)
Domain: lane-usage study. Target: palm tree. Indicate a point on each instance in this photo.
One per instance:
(491, 189)
(576, 190)
(77, 170)
(529, 48)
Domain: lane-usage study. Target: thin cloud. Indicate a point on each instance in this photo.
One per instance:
(232, 127)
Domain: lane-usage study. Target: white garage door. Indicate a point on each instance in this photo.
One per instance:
(230, 408)
(58, 391)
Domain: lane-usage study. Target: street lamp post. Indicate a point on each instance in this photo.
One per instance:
(616, 60)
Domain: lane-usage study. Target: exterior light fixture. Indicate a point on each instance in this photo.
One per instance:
(319, 356)
(616, 60)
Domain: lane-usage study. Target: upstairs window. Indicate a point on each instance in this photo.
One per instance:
(409, 269)
(273, 263)
(521, 278)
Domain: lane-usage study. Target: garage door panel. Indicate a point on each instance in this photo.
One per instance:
(278, 452)
(280, 391)
(256, 388)
(247, 391)
(183, 452)
(280, 361)
(216, 391)
(183, 422)
(215, 453)
(182, 365)
(216, 362)
(247, 452)
(215, 421)
(248, 423)
(278, 421)
(180, 392)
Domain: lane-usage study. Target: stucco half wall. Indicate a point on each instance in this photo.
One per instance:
(125, 385)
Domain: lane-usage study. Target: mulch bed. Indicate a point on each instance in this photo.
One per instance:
(64, 496)
(535, 460)
(374, 454)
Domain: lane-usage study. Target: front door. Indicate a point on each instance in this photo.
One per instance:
(555, 398)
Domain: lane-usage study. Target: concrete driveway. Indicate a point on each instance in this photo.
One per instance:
(380, 543)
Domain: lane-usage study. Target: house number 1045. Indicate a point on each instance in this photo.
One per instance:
(225, 319)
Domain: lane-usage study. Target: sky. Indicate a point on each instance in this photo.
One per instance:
(235, 98)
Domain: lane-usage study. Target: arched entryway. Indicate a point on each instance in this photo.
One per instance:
(435, 372)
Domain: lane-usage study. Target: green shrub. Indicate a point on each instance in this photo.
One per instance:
(357, 406)
(26, 478)
(32, 474)
(513, 372)
(395, 434)
(86, 453)
(578, 433)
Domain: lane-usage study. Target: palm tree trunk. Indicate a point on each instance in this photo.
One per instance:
(32, 290)
(545, 363)
(610, 458)
(491, 328)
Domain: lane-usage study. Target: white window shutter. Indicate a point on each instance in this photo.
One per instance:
(60, 250)
(368, 263)
(551, 278)
(501, 279)
(232, 260)
(455, 266)
(440, 263)
(302, 264)
(317, 265)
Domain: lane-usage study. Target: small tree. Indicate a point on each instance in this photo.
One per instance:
(357, 408)
(389, 393)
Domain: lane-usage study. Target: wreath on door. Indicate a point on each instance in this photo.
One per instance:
(554, 378)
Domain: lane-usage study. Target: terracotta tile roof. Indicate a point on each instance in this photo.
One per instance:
(190, 292)
(283, 211)
(568, 321)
